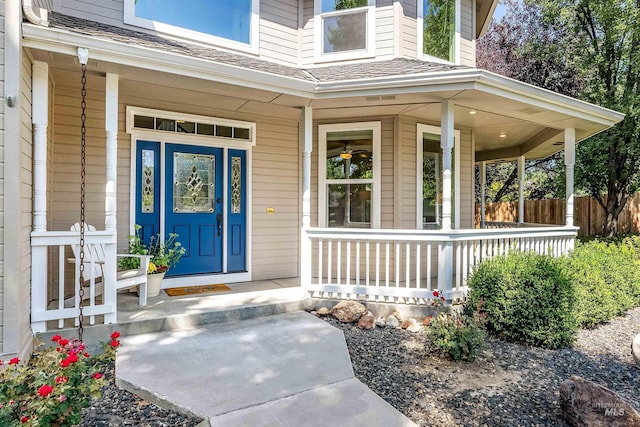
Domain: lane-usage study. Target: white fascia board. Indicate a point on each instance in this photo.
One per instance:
(503, 86)
(65, 42)
(470, 78)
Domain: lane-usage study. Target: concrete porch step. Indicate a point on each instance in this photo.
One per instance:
(164, 313)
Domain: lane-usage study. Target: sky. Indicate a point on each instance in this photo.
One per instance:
(500, 11)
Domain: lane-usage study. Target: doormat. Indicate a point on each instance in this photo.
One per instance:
(194, 290)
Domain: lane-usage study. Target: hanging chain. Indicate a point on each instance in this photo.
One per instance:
(83, 146)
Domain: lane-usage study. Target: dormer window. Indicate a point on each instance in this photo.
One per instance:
(230, 23)
(439, 38)
(344, 29)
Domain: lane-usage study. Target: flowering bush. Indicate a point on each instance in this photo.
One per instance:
(438, 299)
(164, 254)
(460, 335)
(54, 385)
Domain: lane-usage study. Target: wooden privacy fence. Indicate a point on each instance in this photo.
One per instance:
(588, 214)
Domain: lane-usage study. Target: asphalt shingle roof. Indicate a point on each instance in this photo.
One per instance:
(333, 73)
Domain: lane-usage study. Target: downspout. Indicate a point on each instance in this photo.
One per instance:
(32, 16)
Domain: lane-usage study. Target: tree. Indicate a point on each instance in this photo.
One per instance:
(525, 47)
(606, 45)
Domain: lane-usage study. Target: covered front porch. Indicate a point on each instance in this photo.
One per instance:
(396, 241)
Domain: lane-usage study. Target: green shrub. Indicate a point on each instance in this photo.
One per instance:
(528, 299)
(458, 335)
(606, 279)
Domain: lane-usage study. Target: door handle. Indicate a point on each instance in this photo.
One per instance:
(219, 219)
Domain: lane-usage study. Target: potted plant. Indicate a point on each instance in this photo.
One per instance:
(165, 254)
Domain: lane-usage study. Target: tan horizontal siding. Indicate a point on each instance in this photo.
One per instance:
(467, 38)
(107, 12)
(409, 27)
(275, 170)
(384, 29)
(279, 30)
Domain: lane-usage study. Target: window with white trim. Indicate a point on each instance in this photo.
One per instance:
(440, 28)
(349, 175)
(344, 29)
(231, 23)
(429, 182)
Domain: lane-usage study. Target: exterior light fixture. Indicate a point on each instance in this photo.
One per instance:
(503, 135)
(472, 112)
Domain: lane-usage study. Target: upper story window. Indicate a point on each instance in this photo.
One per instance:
(344, 29)
(440, 29)
(231, 23)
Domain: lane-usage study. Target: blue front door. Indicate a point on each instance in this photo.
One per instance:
(195, 201)
(193, 206)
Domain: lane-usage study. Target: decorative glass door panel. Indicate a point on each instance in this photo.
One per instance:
(148, 189)
(194, 206)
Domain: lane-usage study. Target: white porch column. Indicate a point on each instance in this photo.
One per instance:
(306, 133)
(569, 161)
(445, 256)
(111, 126)
(483, 192)
(521, 189)
(40, 120)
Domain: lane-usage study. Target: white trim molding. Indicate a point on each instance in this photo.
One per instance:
(200, 37)
(318, 29)
(436, 130)
(163, 137)
(375, 128)
(420, 35)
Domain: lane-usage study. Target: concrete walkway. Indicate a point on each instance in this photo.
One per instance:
(285, 370)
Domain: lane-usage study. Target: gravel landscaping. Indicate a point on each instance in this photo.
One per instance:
(506, 385)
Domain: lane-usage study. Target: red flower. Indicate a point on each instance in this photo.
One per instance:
(61, 380)
(72, 358)
(56, 338)
(45, 390)
(115, 335)
(115, 343)
(1, 362)
(97, 375)
(63, 342)
(86, 354)
(436, 294)
(14, 361)
(442, 298)
(24, 419)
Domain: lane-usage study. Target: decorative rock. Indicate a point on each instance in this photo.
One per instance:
(348, 311)
(324, 311)
(585, 403)
(635, 348)
(398, 316)
(415, 327)
(405, 324)
(427, 321)
(392, 321)
(381, 322)
(367, 322)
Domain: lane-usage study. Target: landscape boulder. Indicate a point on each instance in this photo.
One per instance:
(348, 311)
(368, 321)
(635, 348)
(381, 322)
(585, 403)
(323, 311)
(392, 321)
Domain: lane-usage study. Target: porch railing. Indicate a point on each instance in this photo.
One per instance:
(501, 224)
(54, 279)
(406, 266)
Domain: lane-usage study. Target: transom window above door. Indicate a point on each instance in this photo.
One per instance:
(344, 29)
(232, 23)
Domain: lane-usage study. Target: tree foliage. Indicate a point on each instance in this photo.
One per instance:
(588, 49)
(606, 45)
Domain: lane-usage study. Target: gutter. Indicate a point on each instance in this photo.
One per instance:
(32, 16)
